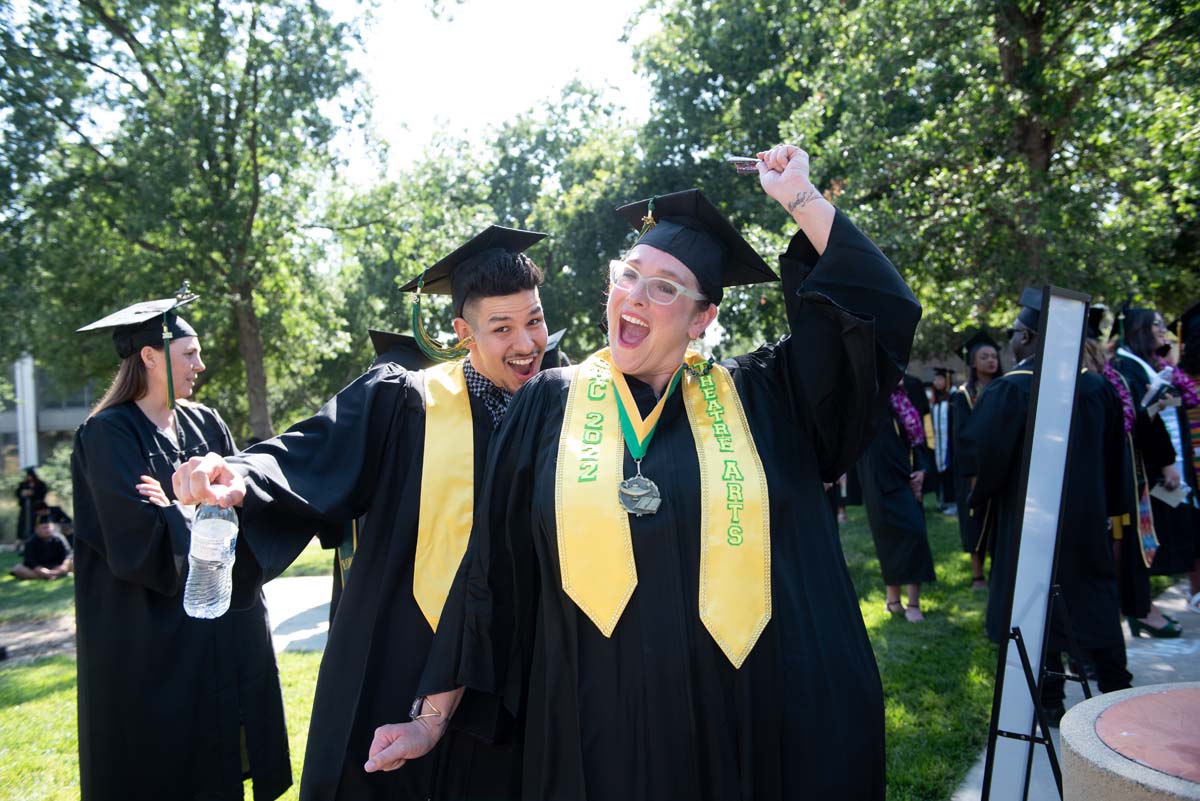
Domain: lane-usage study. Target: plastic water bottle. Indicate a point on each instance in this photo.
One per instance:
(210, 562)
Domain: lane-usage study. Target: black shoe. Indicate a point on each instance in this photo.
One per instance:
(1167, 630)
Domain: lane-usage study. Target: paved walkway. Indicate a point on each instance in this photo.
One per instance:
(299, 612)
(1150, 661)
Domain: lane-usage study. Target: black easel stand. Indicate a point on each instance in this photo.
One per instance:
(1058, 606)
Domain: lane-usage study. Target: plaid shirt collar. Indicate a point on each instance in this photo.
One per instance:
(494, 398)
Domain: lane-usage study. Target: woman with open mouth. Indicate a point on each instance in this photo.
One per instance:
(655, 587)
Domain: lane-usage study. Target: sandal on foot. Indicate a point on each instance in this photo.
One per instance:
(913, 614)
(894, 607)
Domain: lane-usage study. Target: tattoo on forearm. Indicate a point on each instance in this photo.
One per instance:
(803, 199)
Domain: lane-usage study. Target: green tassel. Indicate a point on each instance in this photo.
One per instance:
(167, 337)
(428, 345)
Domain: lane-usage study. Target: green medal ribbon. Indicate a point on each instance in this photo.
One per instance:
(638, 433)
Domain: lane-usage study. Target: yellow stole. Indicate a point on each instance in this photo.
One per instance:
(594, 546)
(447, 487)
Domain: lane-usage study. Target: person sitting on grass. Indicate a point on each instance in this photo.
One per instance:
(47, 554)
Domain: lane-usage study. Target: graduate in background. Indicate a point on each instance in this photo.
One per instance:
(1085, 570)
(982, 355)
(169, 706)
(1187, 329)
(1156, 462)
(30, 494)
(403, 451)
(892, 471)
(938, 435)
(918, 395)
(655, 585)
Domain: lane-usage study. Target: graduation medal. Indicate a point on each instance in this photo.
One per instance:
(639, 495)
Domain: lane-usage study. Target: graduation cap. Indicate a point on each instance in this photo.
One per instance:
(153, 323)
(439, 279)
(399, 348)
(689, 227)
(1188, 324)
(974, 342)
(1031, 308)
(945, 372)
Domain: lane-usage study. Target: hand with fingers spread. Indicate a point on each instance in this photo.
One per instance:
(208, 479)
(152, 491)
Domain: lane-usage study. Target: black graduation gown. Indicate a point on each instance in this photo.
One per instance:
(362, 455)
(162, 696)
(1085, 571)
(27, 505)
(896, 517)
(657, 710)
(970, 532)
(1183, 520)
(1152, 442)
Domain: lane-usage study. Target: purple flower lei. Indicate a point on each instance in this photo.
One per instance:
(908, 416)
(1127, 409)
(1184, 383)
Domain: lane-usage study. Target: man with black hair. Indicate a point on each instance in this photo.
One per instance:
(1086, 569)
(402, 451)
(47, 555)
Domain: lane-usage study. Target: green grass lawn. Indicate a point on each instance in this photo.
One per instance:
(38, 748)
(312, 561)
(32, 600)
(937, 675)
(937, 679)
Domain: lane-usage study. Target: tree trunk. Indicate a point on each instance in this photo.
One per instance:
(250, 346)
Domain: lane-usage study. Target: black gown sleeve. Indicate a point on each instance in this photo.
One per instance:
(322, 471)
(142, 543)
(852, 319)
(995, 435)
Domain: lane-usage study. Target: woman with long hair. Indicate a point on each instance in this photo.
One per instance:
(1159, 440)
(892, 472)
(169, 706)
(982, 355)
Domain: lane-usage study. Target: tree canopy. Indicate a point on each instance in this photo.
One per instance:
(985, 146)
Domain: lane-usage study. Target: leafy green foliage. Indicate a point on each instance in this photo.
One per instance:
(151, 142)
(984, 146)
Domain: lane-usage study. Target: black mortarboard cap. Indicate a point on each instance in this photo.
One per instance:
(141, 324)
(1095, 319)
(1188, 324)
(399, 348)
(439, 278)
(974, 342)
(689, 227)
(1031, 308)
(943, 371)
